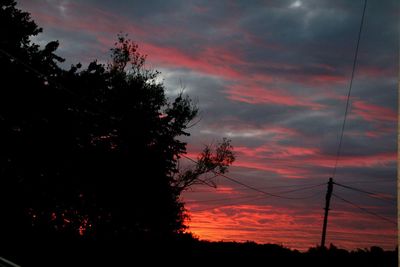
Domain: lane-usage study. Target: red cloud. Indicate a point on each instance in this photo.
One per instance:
(276, 151)
(281, 169)
(290, 161)
(378, 159)
(207, 61)
(318, 80)
(253, 94)
(374, 113)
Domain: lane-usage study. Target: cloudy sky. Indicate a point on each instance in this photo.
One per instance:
(273, 77)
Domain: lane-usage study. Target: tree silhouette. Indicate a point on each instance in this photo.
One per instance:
(90, 153)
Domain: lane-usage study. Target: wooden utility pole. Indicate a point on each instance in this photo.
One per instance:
(327, 201)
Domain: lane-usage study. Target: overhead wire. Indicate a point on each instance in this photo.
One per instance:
(300, 189)
(381, 180)
(243, 184)
(243, 202)
(338, 152)
(246, 189)
(375, 195)
(228, 204)
(249, 196)
(364, 209)
(357, 189)
(220, 199)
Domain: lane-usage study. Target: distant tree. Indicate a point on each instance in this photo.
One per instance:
(91, 152)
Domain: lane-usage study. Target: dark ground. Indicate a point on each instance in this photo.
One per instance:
(191, 253)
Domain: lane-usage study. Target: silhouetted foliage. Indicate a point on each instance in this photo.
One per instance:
(90, 153)
(209, 161)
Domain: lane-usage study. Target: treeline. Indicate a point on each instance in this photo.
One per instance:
(187, 251)
(275, 255)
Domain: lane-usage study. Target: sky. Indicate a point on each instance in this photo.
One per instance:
(272, 76)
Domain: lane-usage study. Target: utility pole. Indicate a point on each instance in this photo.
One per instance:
(327, 201)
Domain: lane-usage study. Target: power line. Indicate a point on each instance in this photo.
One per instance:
(370, 194)
(220, 199)
(381, 180)
(241, 183)
(365, 210)
(242, 202)
(291, 164)
(300, 189)
(245, 189)
(228, 204)
(349, 93)
(355, 189)
(250, 196)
